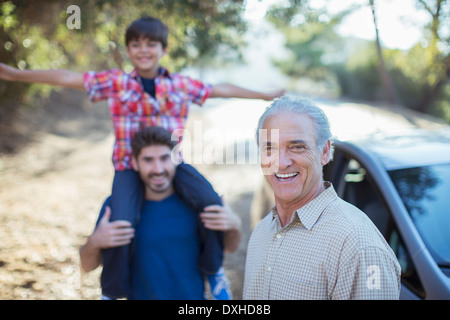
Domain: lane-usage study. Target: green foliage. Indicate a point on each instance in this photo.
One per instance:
(310, 38)
(34, 33)
(420, 75)
(414, 73)
(358, 76)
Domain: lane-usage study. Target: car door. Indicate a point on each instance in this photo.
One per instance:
(353, 182)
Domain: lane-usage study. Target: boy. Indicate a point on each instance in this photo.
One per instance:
(148, 96)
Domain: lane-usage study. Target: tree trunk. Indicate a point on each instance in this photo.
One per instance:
(386, 80)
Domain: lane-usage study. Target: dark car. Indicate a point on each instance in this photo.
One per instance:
(402, 182)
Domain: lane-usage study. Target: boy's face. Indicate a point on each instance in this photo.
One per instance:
(145, 55)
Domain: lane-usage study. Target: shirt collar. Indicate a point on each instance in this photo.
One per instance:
(311, 212)
(162, 72)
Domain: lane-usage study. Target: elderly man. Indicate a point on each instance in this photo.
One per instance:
(313, 245)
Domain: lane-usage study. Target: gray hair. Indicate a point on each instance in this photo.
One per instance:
(300, 106)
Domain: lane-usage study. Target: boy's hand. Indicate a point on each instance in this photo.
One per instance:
(7, 72)
(273, 95)
(112, 234)
(226, 90)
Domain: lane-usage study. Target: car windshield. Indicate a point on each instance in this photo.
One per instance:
(426, 194)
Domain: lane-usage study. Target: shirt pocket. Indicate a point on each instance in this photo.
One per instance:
(130, 102)
(175, 104)
(304, 277)
(303, 289)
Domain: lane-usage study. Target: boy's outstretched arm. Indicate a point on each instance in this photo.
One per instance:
(231, 91)
(62, 78)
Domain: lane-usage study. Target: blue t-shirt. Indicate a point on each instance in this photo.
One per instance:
(165, 262)
(149, 86)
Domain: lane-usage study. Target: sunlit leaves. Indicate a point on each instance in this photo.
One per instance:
(34, 33)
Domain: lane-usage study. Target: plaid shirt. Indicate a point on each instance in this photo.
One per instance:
(329, 250)
(132, 108)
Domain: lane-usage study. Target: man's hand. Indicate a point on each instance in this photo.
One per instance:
(112, 234)
(106, 235)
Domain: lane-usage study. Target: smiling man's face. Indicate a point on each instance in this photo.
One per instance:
(290, 160)
(157, 171)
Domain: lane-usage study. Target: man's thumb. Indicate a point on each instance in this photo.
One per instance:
(106, 215)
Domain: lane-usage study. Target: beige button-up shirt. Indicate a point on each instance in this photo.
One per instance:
(329, 250)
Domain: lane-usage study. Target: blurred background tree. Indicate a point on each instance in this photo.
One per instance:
(34, 35)
(417, 78)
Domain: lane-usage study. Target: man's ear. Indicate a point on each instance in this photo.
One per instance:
(175, 155)
(326, 152)
(134, 164)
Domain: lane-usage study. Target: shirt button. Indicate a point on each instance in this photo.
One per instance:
(278, 236)
(269, 269)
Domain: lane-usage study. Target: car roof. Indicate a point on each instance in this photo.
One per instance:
(409, 148)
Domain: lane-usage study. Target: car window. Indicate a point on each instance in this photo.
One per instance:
(425, 193)
(358, 188)
(359, 191)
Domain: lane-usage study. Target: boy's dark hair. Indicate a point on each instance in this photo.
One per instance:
(147, 27)
(152, 136)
